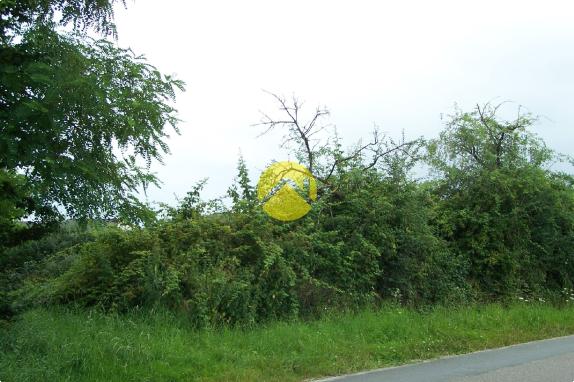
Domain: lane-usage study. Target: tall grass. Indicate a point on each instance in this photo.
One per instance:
(66, 345)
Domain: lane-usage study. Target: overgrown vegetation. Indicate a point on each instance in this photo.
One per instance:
(493, 224)
(81, 120)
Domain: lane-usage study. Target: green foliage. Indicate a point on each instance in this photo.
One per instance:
(80, 118)
(242, 193)
(81, 121)
(494, 224)
(189, 265)
(500, 209)
(17, 15)
(482, 140)
(238, 266)
(68, 106)
(13, 196)
(19, 264)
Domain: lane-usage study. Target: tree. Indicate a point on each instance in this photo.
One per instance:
(500, 207)
(80, 118)
(12, 203)
(481, 140)
(17, 15)
(324, 157)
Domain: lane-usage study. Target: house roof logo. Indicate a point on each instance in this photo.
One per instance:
(286, 190)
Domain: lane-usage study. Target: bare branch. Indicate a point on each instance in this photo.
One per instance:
(302, 133)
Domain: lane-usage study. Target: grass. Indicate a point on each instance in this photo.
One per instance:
(63, 345)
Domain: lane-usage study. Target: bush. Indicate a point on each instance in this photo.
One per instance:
(493, 228)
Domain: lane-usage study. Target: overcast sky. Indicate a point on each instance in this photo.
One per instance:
(398, 64)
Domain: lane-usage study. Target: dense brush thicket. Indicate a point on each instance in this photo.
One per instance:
(492, 223)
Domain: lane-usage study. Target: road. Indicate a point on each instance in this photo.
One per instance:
(541, 361)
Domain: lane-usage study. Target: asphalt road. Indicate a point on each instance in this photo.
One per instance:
(540, 361)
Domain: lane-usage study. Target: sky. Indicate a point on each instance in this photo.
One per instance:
(400, 65)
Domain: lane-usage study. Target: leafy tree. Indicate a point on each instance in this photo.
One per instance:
(482, 140)
(17, 15)
(500, 207)
(80, 118)
(12, 203)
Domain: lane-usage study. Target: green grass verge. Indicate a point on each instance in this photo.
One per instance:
(58, 345)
